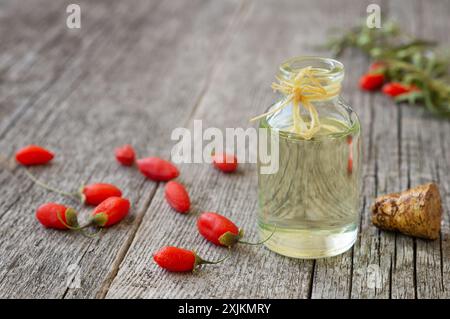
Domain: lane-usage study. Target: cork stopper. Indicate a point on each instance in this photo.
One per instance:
(415, 212)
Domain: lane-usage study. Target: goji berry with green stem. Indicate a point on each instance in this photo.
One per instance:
(221, 231)
(53, 215)
(180, 260)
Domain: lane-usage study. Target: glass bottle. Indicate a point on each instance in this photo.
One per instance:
(311, 202)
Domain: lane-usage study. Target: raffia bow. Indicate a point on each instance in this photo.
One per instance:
(304, 88)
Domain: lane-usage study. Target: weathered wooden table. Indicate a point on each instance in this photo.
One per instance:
(138, 69)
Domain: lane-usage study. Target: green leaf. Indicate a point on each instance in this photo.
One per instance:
(411, 97)
(408, 60)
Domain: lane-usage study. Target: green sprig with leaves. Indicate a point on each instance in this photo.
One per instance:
(406, 59)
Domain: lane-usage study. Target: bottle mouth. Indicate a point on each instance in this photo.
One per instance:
(332, 71)
(310, 81)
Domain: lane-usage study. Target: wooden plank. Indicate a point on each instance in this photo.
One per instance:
(33, 29)
(421, 150)
(42, 270)
(42, 49)
(433, 258)
(34, 34)
(369, 280)
(396, 251)
(443, 167)
(374, 253)
(403, 271)
(163, 37)
(241, 81)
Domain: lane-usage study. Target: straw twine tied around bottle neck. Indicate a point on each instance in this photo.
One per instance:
(303, 87)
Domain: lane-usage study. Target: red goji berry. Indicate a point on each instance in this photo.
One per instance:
(225, 162)
(221, 231)
(395, 88)
(371, 81)
(175, 259)
(33, 155)
(125, 155)
(157, 169)
(177, 197)
(179, 259)
(56, 216)
(218, 229)
(111, 211)
(94, 194)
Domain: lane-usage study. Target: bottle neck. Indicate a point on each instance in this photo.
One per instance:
(332, 69)
(305, 82)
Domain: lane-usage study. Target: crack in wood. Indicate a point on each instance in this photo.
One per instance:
(103, 291)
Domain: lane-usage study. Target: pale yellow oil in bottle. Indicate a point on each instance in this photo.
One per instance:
(312, 201)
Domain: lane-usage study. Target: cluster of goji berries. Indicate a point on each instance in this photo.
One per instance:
(212, 226)
(111, 208)
(376, 78)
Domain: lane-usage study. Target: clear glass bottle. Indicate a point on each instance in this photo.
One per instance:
(312, 201)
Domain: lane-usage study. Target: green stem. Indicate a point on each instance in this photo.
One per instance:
(200, 261)
(67, 225)
(74, 196)
(80, 228)
(260, 242)
(92, 235)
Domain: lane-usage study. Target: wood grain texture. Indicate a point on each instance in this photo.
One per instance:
(35, 57)
(138, 69)
(81, 127)
(433, 258)
(420, 149)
